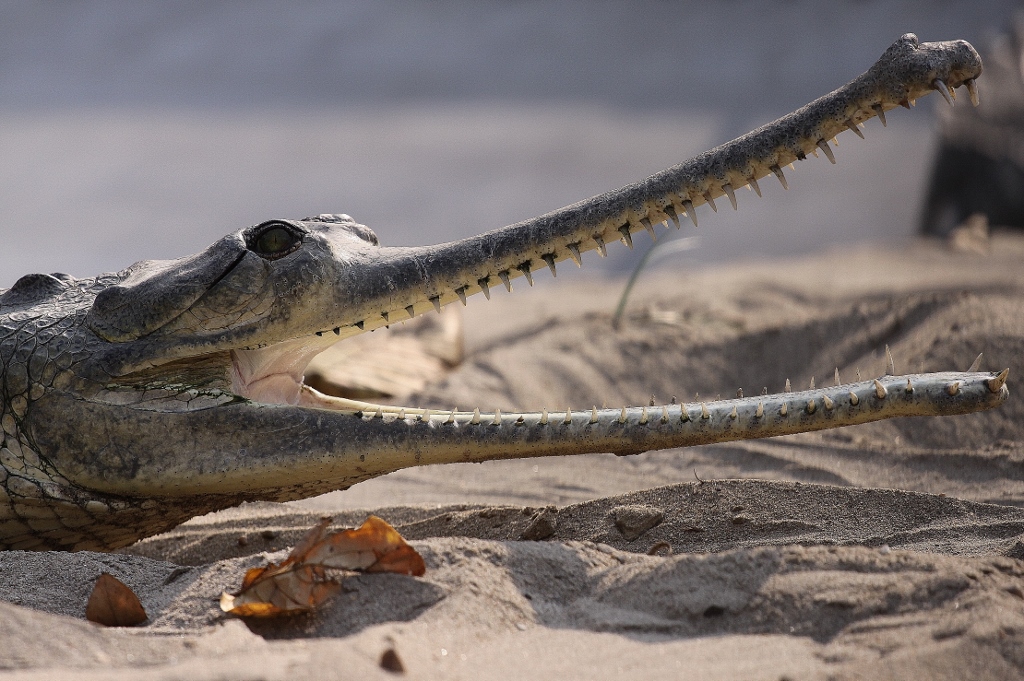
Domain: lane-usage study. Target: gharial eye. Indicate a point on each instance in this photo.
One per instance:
(274, 241)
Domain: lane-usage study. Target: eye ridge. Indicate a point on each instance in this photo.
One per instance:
(274, 240)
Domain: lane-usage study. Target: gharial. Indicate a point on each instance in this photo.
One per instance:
(135, 400)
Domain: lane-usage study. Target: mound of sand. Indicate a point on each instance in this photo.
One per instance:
(886, 551)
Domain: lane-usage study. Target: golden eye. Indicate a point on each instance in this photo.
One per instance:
(275, 241)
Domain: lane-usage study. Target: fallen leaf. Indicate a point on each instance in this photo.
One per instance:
(113, 604)
(309, 575)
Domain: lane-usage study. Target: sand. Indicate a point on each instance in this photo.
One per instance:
(886, 551)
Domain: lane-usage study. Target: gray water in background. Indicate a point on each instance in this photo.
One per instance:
(147, 130)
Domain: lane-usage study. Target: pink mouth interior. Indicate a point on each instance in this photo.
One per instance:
(273, 375)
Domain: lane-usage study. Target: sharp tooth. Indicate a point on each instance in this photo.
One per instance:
(426, 416)
(525, 269)
(733, 414)
(503, 275)
(789, 388)
(909, 389)
(593, 414)
(484, 287)
(854, 400)
(643, 416)
(626, 237)
(568, 416)
(953, 388)
(684, 415)
(401, 415)
(760, 410)
(711, 201)
(410, 310)
(727, 188)
(828, 402)
(497, 418)
(782, 178)
(543, 417)
(972, 89)
(812, 383)
(891, 369)
(436, 302)
(476, 416)
(574, 252)
(996, 384)
(976, 364)
(880, 112)
(838, 382)
(690, 211)
(385, 316)
(451, 416)
(379, 414)
(784, 409)
(622, 415)
(601, 250)
(856, 129)
(704, 413)
(360, 325)
(739, 392)
(753, 183)
(673, 215)
(550, 260)
(944, 91)
(664, 414)
(650, 228)
(812, 406)
(880, 391)
(461, 293)
(823, 145)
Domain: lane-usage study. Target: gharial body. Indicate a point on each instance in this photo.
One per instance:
(135, 400)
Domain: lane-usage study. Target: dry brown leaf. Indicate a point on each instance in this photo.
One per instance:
(308, 576)
(113, 604)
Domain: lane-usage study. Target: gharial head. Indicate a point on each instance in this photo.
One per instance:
(136, 400)
(262, 295)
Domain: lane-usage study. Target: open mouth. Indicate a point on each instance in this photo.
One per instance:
(332, 264)
(275, 375)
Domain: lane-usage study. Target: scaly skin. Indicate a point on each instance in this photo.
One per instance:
(136, 400)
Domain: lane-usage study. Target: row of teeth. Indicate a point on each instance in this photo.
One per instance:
(544, 417)
(655, 414)
(662, 211)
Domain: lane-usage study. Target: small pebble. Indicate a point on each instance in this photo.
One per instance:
(634, 521)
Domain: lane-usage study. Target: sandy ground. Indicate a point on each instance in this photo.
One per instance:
(886, 551)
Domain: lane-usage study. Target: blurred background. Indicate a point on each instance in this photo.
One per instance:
(136, 130)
